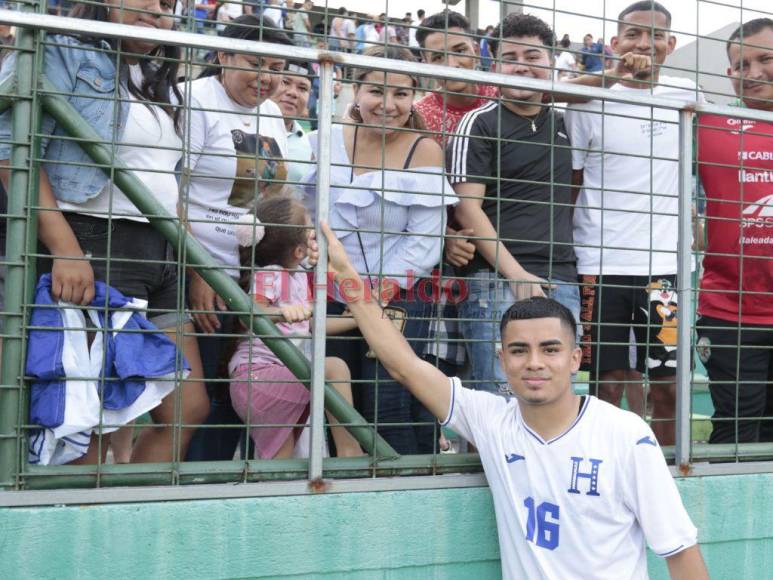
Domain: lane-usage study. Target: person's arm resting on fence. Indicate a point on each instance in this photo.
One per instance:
(627, 67)
(72, 279)
(422, 379)
(471, 215)
(470, 158)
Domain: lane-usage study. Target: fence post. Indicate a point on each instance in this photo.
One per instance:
(325, 125)
(13, 344)
(684, 293)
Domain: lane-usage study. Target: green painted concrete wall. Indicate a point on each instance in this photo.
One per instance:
(436, 534)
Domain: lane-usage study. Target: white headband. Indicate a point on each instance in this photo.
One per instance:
(249, 231)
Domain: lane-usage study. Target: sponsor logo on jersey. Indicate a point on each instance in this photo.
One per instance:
(755, 155)
(741, 125)
(647, 440)
(746, 176)
(759, 214)
(513, 457)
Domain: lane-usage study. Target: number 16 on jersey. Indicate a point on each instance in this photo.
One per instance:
(538, 524)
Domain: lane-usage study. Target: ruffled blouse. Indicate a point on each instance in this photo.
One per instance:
(399, 214)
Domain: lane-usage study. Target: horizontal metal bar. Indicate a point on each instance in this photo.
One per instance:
(739, 468)
(232, 491)
(43, 497)
(75, 26)
(201, 472)
(731, 450)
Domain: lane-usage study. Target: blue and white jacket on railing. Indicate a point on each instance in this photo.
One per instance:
(128, 369)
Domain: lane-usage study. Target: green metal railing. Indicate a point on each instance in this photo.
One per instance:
(29, 94)
(21, 230)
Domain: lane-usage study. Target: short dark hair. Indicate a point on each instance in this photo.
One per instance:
(644, 6)
(420, 13)
(441, 22)
(748, 29)
(521, 25)
(539, 307)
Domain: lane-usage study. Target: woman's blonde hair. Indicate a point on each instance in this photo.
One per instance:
(415, 120)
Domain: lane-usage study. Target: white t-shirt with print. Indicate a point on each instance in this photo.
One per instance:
(629, 201)
(580, 505)
(150, 147)
(226, 139)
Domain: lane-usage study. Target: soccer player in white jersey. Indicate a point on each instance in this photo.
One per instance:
(578, 484)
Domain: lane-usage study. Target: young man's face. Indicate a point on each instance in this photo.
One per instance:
(523, 56)
(454, 49)
(751, 69)
(538, 357)
(292, 95)
(644, 32)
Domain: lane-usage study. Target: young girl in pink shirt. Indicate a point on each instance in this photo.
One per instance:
(263, 390)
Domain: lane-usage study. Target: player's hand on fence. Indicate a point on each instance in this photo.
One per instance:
(72, 281)
(634, 66)
(459, 251)
(385, 290)
(296, 312)
(527, 285)
(203, 298)
(312, 250)
(338, 261)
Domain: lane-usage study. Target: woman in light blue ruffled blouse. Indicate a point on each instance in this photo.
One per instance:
(388, 201)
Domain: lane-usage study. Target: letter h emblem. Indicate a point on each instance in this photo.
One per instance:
(593, 476)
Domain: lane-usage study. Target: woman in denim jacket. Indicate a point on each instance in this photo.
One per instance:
(129, 102)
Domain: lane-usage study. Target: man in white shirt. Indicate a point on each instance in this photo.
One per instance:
(273, 11)
(292, 96)
(625, 221)
(578, 485)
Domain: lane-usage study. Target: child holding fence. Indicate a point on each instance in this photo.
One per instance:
(263, 390)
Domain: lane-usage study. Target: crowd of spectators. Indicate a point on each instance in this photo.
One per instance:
(498, 187)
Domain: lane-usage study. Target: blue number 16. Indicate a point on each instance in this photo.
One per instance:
(547, 530)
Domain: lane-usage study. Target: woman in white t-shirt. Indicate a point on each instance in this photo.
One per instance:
(122, 248)
(236, 150)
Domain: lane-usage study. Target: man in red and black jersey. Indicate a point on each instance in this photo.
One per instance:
(736, 301)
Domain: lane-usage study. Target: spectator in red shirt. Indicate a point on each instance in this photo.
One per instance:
(446, 38)
(736, 303)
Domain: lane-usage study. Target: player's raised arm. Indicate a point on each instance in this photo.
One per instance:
(687, 565)
(424, 381)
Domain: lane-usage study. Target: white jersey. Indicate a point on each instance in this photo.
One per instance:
(625, 219)
(582, 504)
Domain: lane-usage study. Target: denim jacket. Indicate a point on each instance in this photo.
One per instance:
(82, 74)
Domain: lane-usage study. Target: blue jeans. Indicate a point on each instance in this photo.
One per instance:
(488, 298)
(402, 420)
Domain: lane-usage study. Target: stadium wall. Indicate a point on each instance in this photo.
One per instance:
(441, 534)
